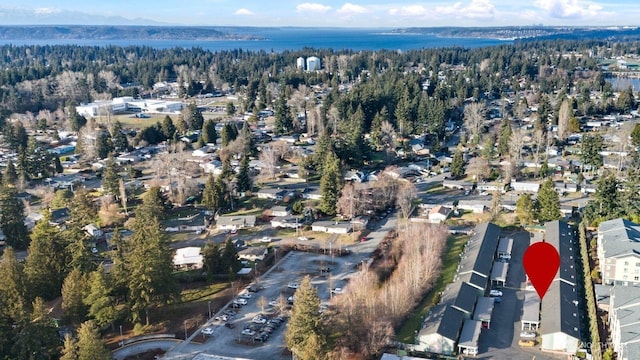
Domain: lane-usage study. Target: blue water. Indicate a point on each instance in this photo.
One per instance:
(620, 84)
(280, 39)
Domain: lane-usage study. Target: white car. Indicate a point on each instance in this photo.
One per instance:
(293, 285)
(246, 295)
(337, 291)
(273, 302)
(303, 238)
(528, 335)
(259, 320)
(265, 239)
(207, 331)
(495, 293)
(248, 332)
(240, 301)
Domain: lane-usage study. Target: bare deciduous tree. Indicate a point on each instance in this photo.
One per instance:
(478, 168)
(407, 193)
(474, 115)
(564, 115)
(270, 157)
(515, 146)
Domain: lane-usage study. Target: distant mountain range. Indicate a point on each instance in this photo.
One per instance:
(118, 32)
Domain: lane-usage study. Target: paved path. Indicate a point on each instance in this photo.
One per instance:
(144, 346)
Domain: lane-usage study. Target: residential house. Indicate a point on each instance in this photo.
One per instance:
(280, 211)
(93, 231)
(439, 214)
(560, 323)
(212, 167)
(476, 207)
(272, 194)
(235, 222)
(313, 194)
(525, 186)
(290, 221)
(188, 258)
(618, 248)
(253, 253)
(59, 216)
(461, 185)
(332, 227)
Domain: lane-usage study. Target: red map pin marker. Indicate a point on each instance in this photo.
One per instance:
(541, 263)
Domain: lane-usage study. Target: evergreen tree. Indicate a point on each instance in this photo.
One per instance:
(284, 120)
(153, 203)
(150, 264)
(99, 299)
(73, 290)
(82, 208)
(229, 260)
(168, 128)
(10, 176)
(80, 255)
(229, 133)
(230, 109)
(330, 184)
(12, 218)
(46, 264)
(37, 338)
(243, 181)
(544, 169)
(104, 146)
(590, 148)
(505, 137)
(404, 115)
(12, 287)
(210, 194)
(90, 346)
(69, 348)
(212, 258)
(635, 135)
(305, 334)
(209, 134)
(110, 177)
(457, 165)
(525, 209)
(119, 138)
(57, 165)
(608, 197)
(548, 203)
(119, 271)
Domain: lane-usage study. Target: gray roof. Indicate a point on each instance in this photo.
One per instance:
(505, 245)
(451, 323)
(619, 237)
(531, 307)
(484, 309)
(625, 295)
(470, 333)
(560, 235)
(466, 299)
(560, 304)
(499, 271)
(489, 233)
(632, 351)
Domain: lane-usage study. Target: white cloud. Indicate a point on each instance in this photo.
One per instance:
(45, 11)
(569, 9)
(477, 9)
(352, 9)
(313, 7)
(243, 12)
(410, 10)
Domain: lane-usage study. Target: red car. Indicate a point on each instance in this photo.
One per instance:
(364, 238)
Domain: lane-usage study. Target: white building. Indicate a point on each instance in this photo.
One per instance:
(618, 245)
(313, 63)
(188, 258)
(300, 62)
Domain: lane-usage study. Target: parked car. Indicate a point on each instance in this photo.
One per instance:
(528, 335)
(273, 302)
(303, 238)
(497, 300)
(207, 331)
(265, 239)
(527, 343)
(246, 295)
(222, 318)
(240, 301)
(337, 291)
(230, 325)
(293, 285)
(248, 332)
(495, 293)
(259, 319)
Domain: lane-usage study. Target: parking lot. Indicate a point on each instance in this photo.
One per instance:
(242, 340)
(501, 340)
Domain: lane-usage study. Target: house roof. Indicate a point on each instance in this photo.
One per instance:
(466, 299)
(561, 236)
(489, 233)
(253, 251)
(470, 333)
(239, 220)
(484, 309)
(451, 322)
(619, 237)
(560, 304)
(442, 210)
(499, 271)
(188, 255)
(531, 307)
(505, 245)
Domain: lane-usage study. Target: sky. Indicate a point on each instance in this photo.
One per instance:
(325, 13)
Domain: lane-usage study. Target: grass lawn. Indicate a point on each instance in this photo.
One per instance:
(202, 293)
(450, 261)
